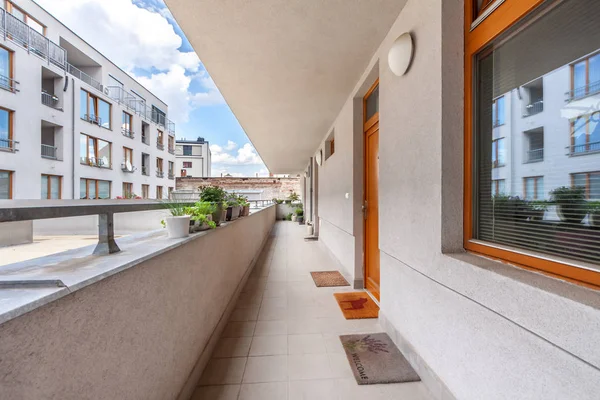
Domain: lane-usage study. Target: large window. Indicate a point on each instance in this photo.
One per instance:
(540, 215)
(94, 189)
(145, 191)
(128, 156)
(94, 152)
(126, 124)
(158, 116)
(95, 110)
(6, 185)
(6, 130)
(6, 70)
(187, 164)
(187, 150)
(24, 17)
(159, 192)
(127, 190)
(51, 187)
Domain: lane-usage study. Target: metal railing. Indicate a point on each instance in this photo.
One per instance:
(93, 119)
(536, 155)
(160, 174)
(48, 151)
(583, 91)
(9, 84)
(534, 108)
(127, 133)
(145, 170)
(94, 162)
(583, 148)
(170, 126)
(50, 100)
(122, 96)
(160, 145)
(82, 76)
(171, 150)
(8, 145)
(125, 167)
(171, 175)
(36, 43)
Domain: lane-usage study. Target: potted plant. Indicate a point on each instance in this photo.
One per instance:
(216, 196)
(178, 224)
(201, 217)
(300, 215)
(537, 209)
(233, 207)
(245, 210)
(509, 208)
(570, 203)
(293, 197)
(594, 208)
(288, 217)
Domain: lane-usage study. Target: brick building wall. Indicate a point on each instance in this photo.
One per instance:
(254, 188)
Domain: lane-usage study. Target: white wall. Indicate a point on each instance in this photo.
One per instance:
(200, 160)
(473, 328)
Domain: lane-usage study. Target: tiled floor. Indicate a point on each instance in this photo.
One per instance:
(282, 341)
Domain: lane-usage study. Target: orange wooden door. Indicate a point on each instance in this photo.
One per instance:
(371, 200)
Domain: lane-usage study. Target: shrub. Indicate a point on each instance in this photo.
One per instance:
(213, 194)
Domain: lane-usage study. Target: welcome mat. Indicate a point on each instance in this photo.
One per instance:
(329, 279)
(374, 358)
(357, 305)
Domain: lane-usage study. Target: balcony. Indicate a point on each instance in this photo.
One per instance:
(8, 145)
(171, 175)
(582, 149)
(160, 145)
(48, 151)
(171, 150)
(534, 108)
(127, 167)
(95, 162)
(583, 91)
(30, 39)
(160, 174)
(8, 84)
(532, 156)
(50, 100)
(93, 119)
(145, 170)
(128, 133)
(82, 76)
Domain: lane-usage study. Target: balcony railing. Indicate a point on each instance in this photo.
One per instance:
(160, 174)
(534, 108)
(20, 33)
(127, 133)
(82, 76)
(583, 91)
(50, 100)
(127, 167)
(8, 145)
(170, 126)
(145, 170)
(534, 156)
(586, 148)
(9, 84)
(160, 145)
(93, 119)
(171, 175)
(171, 150)
(48, 151)
(95, 162)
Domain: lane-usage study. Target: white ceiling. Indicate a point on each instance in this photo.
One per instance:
(285, 67)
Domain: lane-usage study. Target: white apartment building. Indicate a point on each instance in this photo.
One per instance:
(193, 158)
(546, 133)
(72, 124)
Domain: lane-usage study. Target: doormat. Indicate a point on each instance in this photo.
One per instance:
(357, 305)
(329, 279)
(374, 358)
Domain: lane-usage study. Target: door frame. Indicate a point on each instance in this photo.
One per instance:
(366, 127)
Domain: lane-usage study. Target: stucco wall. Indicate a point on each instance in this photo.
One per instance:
(473, 328)
(137, 334)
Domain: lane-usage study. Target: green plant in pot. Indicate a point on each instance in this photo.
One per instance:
(214, 195)
(537, 209)
(293, 197)
(178, 224)
(233, 207)
(509, 208)
(201, 216)
(594, 210)
(300, 215)
(570, 203)
(245, 206)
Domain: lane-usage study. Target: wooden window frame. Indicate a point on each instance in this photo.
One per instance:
(145, 191)
(171, 142)
(586, 60)
(476, 40)
(128, 116)
(535, 186)
(496, 122)
(587, 132)
(331, 147)
(159, 164)
(11, 175)
(588, 185)
(171, 167)
(49, 184)
(9, 7)
(87, 147)
(187, 164)
(11, 68)
(160, 138)
(496, 183)
(11, 127)
(87, 187)
(126, 151)
(127, 188)
(96, 105)
(495, 146)
(159, 192)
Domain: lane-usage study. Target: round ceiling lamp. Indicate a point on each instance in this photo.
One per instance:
(401, 54)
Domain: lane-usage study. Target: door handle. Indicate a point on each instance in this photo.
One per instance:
(364, 209)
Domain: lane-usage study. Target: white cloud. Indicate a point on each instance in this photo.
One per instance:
(246, 155)
(141, 38)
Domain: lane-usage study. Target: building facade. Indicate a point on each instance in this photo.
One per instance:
(72, 124)
(193, 158)
(253, 188)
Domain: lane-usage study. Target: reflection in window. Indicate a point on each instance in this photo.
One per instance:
(51, 185)
(94, 189)
(498, 153)
(585, 134)
(5, 185)
(534, 188)
(498, 112)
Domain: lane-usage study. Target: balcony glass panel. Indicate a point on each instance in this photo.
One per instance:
(104, 113)
(104, 153)
(82, 104)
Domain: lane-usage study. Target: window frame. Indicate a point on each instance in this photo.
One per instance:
(127, 189)
(126, 151)
(9, 7)
(11, 175)
(95, 99)
(187, 164)
(496, 121)
(11, 69)
(159, 164)
(476, 39)
(588, 186)
(159, 192)
(536, 180)
(496, 185)
(95, 140)
(496, 153)
(145, 191)
(11, 126)
(96, 181)
(586, 60)
(49, 184)
(588, 135)
(123, 122)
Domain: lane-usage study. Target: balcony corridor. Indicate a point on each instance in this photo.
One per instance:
(282, 341)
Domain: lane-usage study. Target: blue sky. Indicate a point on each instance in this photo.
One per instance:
(156, 52)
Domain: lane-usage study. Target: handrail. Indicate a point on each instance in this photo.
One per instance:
(535, 155)
(48, 151)
(9, 84)
(585, 148)
(534, 108)
(8, 145)
(82, 76)
(50, 100)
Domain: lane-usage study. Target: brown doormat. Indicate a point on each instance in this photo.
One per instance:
(374, 358)
(329, 279)
(357, 305)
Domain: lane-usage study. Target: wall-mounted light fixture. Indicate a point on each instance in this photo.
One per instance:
(401, 54)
